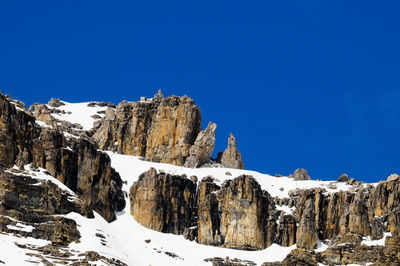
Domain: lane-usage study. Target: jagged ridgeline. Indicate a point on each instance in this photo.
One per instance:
(61, 161)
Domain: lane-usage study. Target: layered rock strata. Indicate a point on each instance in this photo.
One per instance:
(74, 161)
(241, 215)
(163, 202)
(160, 129)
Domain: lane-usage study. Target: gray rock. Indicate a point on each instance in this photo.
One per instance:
(231, 157)
(55, 102)
(202, 148)
(300, 174)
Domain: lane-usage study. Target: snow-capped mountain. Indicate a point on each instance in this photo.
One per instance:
(135, 184)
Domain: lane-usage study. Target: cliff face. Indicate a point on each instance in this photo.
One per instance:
(75, 161)
(235, 216)
(163, 202)
(160, 129)
(241, 215)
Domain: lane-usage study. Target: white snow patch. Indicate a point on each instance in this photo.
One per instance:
(130, 167)
(42, 175)
(11, 254)
(379, 242)
(42, 124)
(21, 227)
(78, 113)
(285, 209)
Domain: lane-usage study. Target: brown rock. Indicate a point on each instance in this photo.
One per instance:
(163, 202)
(343, 178)
(75, 162)
(160, 129)
(235, 216)
(306, 235)
(385, 197)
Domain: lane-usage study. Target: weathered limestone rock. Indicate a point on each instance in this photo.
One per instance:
(343, 178)
(231, 157)
(300, 174)
(235, 216)
(160, 129)
(306, 235)
(174, 130)
(385, 197)
(202, 148)
(163, 202)
(26, 202)
(75, 162)
(286, 236)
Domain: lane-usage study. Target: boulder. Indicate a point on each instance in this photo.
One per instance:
(300, 174)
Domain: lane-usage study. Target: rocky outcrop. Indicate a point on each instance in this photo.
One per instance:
(343, 178)
(202, 149)
(163, 202)
(235, 216)
(23, 201)
(76, 161)
(231, 157)
(160, 129)
(300, 174)
(386, 197)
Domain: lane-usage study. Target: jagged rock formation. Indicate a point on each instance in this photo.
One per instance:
(241, 215)
(75, 162)
(300, 174)
(235, 216)
(163, 202)
(231, 157)
(161, 129)
(202, 149)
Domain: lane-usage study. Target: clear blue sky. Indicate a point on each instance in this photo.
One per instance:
(311, 84)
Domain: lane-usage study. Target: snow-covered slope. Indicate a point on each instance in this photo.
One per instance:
(79, 113)
(128, 241)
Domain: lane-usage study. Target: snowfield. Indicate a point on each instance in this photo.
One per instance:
(79, 113)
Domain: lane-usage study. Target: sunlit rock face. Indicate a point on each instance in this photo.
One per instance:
(160, 129)
(163, 202)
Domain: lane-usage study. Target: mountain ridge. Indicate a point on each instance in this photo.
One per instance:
(303, 221)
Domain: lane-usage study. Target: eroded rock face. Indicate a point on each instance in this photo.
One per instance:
(26, 202)
(231, 157)
(202, 149)
(235, 216)
(75, 162)
(163, 202)
(160, 129)
(386, 197)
